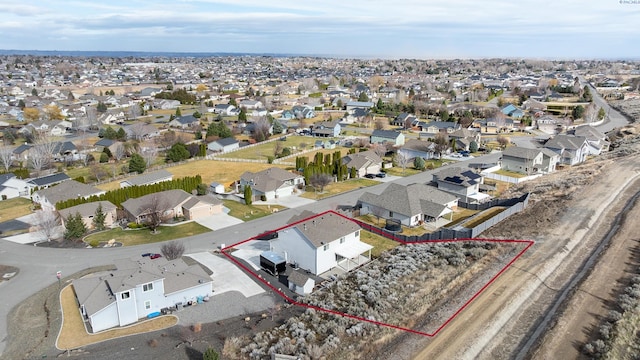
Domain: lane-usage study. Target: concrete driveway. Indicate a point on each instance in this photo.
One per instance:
(219, 221)
(226, 275)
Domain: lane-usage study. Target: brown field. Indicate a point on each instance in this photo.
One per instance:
(224, 172)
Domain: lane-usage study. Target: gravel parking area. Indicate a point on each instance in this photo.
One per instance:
(224, 306)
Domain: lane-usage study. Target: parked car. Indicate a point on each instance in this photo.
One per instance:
(370, 176)
(155, 256)
(147, 254)
(381, 174)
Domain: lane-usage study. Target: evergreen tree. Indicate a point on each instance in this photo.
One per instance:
(418, 163)
(121, 134)
(74, 227)
(99, 218)
(248, 195)
(242, 117)
(110, 134)
(137, 163)
(178, 152)
(178, 112)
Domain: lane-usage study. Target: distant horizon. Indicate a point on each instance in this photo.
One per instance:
(134, 53)
(402, 29)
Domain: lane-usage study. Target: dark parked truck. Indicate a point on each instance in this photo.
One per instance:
(272, 263)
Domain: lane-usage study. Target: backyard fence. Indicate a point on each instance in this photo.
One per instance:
(515, 205)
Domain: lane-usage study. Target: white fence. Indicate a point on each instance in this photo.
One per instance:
(509, 179)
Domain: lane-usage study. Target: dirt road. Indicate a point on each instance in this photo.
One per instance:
(569, 218)
(593, 300)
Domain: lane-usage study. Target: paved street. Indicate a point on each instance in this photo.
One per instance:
(38, 265)
(613, 119)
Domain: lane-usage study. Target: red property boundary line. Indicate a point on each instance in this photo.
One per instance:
(358, 318)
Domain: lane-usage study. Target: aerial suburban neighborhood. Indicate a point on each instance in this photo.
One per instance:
(301, 207)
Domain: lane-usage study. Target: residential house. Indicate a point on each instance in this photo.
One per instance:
(548, 124)
(225, 109)
(327, 129)
(529, 161)
(364, 105)
(88, 212)
(184, 122)
(598, 142)
(411, 205)
(166, 104)
(572, 149)
(438, 127)
(404, 120)
(65, 151)
(224, 145)
(140, 131)
(149, 178)
(22, 152)
(464, 137)
(12, 187)
(325, 144)
(321, 243)
(44, 182)
(250, 104)
(303, 112)
(66, 190)
(108, 119)
(366, 162)
(414, 148)
(259, 112)
(173, 204)
(512, 111)
(139, 287)
(395, 138)
(103, 143)
(460, 182)
(271, 183)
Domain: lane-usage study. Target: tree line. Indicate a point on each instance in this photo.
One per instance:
(118, 196)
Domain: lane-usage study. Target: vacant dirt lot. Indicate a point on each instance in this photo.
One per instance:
(570, 212)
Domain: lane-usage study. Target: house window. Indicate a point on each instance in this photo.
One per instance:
(390, 214)
(357, 233)
(147, 305)
(125, 295)
(326, 247)
(342, 240)
(147, 287)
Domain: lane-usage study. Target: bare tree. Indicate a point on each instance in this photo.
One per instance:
(47, 222)
(156, 209)
(442, 145)
(41, 153)
(277, 148)
(149, 154)
(137, 130)
(403, 159)
(591, 115)
(261, 129)
(172, 250)
(167, 139)
(503, 141)
(379, 149)
(97, 171)
(135, 111)
(119, 151)
(320, 180)
(5, 157)
(379, 125)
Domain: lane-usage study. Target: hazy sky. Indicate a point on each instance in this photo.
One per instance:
(351, 28)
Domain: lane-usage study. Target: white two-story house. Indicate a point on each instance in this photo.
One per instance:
(322, 242)
(139, 287)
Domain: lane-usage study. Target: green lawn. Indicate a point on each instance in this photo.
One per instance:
(14, 208)
(250, 212)
(338, 188)
(144, 236)
(380, 243)
(397, 171)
